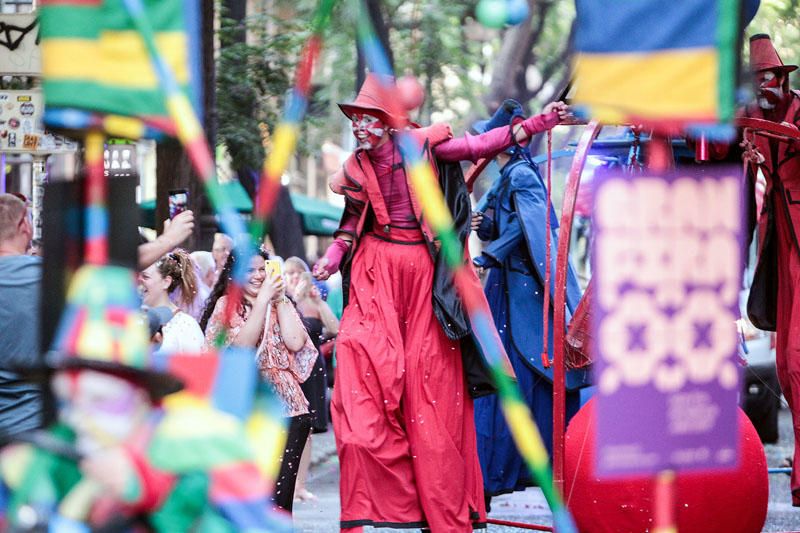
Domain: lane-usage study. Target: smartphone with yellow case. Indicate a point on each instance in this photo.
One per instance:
(273, 267)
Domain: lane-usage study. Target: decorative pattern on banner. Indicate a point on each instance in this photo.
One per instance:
(662, 63)
(668, 268)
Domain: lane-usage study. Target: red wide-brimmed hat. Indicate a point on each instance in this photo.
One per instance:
(370, 99)
(763, 55)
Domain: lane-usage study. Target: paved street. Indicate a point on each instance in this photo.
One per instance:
(322, 515)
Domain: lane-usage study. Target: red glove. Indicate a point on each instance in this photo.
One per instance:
(330, 262)
(539, 123)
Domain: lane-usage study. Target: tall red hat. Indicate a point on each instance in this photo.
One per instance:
(370, 99)
(763, 55)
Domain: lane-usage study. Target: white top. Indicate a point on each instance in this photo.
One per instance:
(182, 334)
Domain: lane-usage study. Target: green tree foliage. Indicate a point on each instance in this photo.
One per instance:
(460, 63)
(466, 69)
(253, 77)
(781, 20)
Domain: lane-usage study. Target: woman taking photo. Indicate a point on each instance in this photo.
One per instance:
(180, 334)
(265, 319)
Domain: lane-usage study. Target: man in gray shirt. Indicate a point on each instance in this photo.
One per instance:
(20, 281)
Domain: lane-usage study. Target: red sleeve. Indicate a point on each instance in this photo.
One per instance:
(488, 144)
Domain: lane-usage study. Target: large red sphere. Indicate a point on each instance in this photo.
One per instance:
(726, 502)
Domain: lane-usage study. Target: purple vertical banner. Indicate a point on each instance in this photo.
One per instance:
(667, 264)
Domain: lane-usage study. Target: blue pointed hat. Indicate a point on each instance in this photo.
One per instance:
(509, 112)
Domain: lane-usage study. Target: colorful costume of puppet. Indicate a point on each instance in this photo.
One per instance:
(117, 459)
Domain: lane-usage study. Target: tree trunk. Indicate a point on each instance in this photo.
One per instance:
(206, 226)
(511, 60)
(382, 31)
(286, 228)
(173, 169)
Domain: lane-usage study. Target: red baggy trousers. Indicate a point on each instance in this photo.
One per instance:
(402, 416)
(787, 342)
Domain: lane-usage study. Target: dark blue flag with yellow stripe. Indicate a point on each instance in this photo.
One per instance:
(668, 64)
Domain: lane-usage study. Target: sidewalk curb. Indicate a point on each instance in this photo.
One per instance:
(323, 458)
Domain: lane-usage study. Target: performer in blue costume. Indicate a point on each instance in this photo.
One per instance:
(514, 226)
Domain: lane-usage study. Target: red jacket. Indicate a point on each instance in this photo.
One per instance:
(781, 170)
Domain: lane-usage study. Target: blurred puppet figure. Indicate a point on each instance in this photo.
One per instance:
(117, 460)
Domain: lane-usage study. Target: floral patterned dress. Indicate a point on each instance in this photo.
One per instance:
(283, 369)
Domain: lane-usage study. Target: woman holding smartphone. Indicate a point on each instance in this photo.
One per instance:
(265, 319)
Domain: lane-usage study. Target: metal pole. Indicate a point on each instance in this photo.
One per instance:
(38, 179)
(2, 173)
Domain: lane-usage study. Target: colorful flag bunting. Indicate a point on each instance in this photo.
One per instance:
(94, 60)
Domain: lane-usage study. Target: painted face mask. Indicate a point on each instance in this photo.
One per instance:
(368, 130)
(102, 409)
(770, 90)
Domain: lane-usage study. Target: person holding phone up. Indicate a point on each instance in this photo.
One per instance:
(266, 319)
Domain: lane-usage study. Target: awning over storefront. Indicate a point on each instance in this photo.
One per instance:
(241, 201)
(319, 216)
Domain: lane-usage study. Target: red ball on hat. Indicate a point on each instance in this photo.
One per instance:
(411, 93)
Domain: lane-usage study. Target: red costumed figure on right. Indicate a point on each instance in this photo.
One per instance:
(774, 302)
(407, 367)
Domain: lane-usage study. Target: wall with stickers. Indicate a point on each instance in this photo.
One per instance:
(21, 128)
(24, 143)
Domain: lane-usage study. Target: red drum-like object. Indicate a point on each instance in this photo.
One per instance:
(727, 502)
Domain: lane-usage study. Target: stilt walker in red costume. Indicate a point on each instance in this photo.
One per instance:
(774, 302)
(407, 367)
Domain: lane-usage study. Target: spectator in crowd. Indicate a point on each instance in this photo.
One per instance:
(174, 270)
(195, 303)
(220, 250)
(266, 320)
(20, 282)
(207, 267)
(35, 247)
(157, 318)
